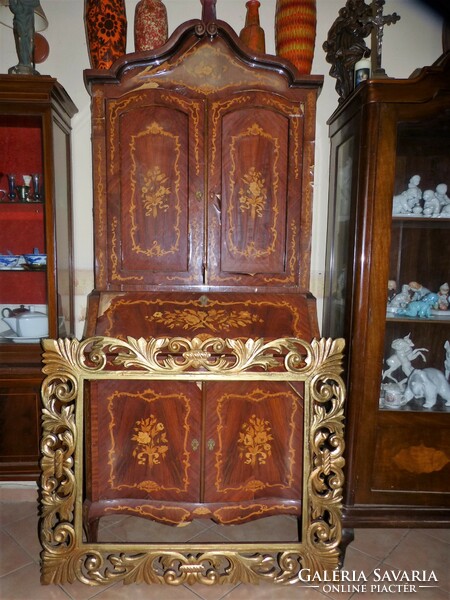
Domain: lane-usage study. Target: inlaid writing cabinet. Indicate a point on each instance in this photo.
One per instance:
(387, 294)
(203, 168)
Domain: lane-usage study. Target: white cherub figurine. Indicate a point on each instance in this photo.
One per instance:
(431, 205)
(408, 201)
(441, 194)
(414, 183)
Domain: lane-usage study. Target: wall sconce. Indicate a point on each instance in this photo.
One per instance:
(25, 17)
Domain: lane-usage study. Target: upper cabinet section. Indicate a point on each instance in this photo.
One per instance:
(203, 167)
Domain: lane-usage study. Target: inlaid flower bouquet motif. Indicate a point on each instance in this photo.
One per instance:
(214, 319)
(253, 442)
(253, 195)
(154, 192)
(151, 441)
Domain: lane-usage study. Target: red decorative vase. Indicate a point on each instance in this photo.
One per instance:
(106, 31)
(150, 25)
(252, 34)
(295, 32)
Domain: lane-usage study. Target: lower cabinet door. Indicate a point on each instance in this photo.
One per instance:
(20, 429)
(254, 442)
(143, 441)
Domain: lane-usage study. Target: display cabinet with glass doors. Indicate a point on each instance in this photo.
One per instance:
(387, 293)
(36, 287)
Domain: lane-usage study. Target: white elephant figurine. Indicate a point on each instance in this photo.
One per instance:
(429, 384)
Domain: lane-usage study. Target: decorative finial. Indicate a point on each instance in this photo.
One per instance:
(208, 11)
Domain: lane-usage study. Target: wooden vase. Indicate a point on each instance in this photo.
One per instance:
(295, 32)
(253, 34)
(150, 25)
(106, 31)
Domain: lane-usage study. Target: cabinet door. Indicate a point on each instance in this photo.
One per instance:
(20, 403)
(414, 425)
(255, 233)
(155, 222)
(254, 441)
(144, 441)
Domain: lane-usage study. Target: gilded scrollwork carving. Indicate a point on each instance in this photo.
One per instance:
(69, 364)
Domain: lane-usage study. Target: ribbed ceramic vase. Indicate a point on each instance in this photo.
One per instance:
(150, 25)
(295, 32)
(253, 34)
(106, 31)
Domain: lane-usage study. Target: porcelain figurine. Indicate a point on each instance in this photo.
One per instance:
(441, 194)
(404, 353)
(429, 384)
(401, 299)
(419, 308)
(443, 299)
(431, 205)
(447, 359)
(417, 290)
(405, 203)
(408, 201)
(393, 396)
(413, 184)
(392, 289)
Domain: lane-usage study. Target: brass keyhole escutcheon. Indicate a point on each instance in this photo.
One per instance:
(211, 444)
(195, 444)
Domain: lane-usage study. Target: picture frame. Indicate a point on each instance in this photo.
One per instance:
(69, 367)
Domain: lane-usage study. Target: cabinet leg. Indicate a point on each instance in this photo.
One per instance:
(91, 529)
(348, 536)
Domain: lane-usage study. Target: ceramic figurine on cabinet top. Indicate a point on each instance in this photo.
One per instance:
(23, 26)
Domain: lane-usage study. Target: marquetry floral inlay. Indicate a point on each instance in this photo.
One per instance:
(254, 441)
(214, 319)
(253, 194)
(151, 441)
(154, 192)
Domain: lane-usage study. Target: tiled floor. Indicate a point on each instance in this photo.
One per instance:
(373, 553)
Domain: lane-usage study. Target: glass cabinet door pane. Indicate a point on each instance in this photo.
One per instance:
(416, 369)
(23, 278)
